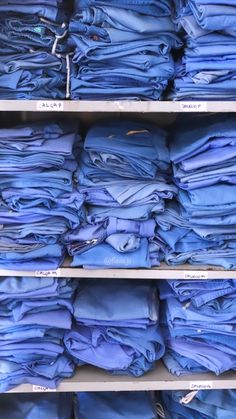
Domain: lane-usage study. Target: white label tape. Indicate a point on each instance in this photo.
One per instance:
(200, 385)
(41, 389)
(46, 274)
(193, 106)
(195, 275)
(50, 105)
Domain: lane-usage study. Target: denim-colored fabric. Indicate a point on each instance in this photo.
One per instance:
(33, 50)
(110, 405)
(202, 404)
(124, 179)
(199, 227)
(22, 33)
(31, 406)
(33, 75)
(129, 148)
(49, 10)
(121, 342)
(38, 200)
(147, 7)
(207, 68)
(35, 314)
(109, 45)
(198, 325)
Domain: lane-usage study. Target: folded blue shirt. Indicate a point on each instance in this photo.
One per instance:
(110, 405)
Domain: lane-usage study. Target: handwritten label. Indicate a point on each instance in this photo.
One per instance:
(41, 389)
(195, 275)
(47, 274)
(50, 105)
(200, 385)
(193, 106)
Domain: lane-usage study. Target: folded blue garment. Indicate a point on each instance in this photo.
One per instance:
(110, 405)
(127, 192)
(36, 373)
(109, 337)
(199, 292)
(208, 133)
(213, 16)
(116, 349)
(142, 304)
(204, 404)
(198, 325)
(135, 149)
(148, 7)
(22, 32)
(117, 55)
(43, 158)
(30, 406)
(207, 68)
(105, 256)
(35, 75)
(110, 26)
(50, 10)
(31, 349)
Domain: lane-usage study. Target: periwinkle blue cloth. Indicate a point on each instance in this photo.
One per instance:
(110, 405)
(123, 54)
(107, 336)
(124, 179)
(39, 202)
(32, 75)
(35, 314)
(198, 326)
(200, 404)
(200, 227)
(146, 7)
(130, 149)
(31, 406)
(51, 10)
(207, 68)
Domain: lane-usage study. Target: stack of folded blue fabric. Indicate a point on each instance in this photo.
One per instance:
(111, 405)
(198, 322)
(34, 406)
(117, 326)
(121, 49)
(123, 176)
(207, 68)
(38, 203)
(32, 47)
(213, 404)
(35, 314)
(200, 228)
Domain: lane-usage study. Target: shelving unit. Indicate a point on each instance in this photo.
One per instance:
(186, 272)
(114, 106)
(88, 378)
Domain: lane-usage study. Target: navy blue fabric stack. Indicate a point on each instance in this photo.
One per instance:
(122, 50)
(32, 49)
